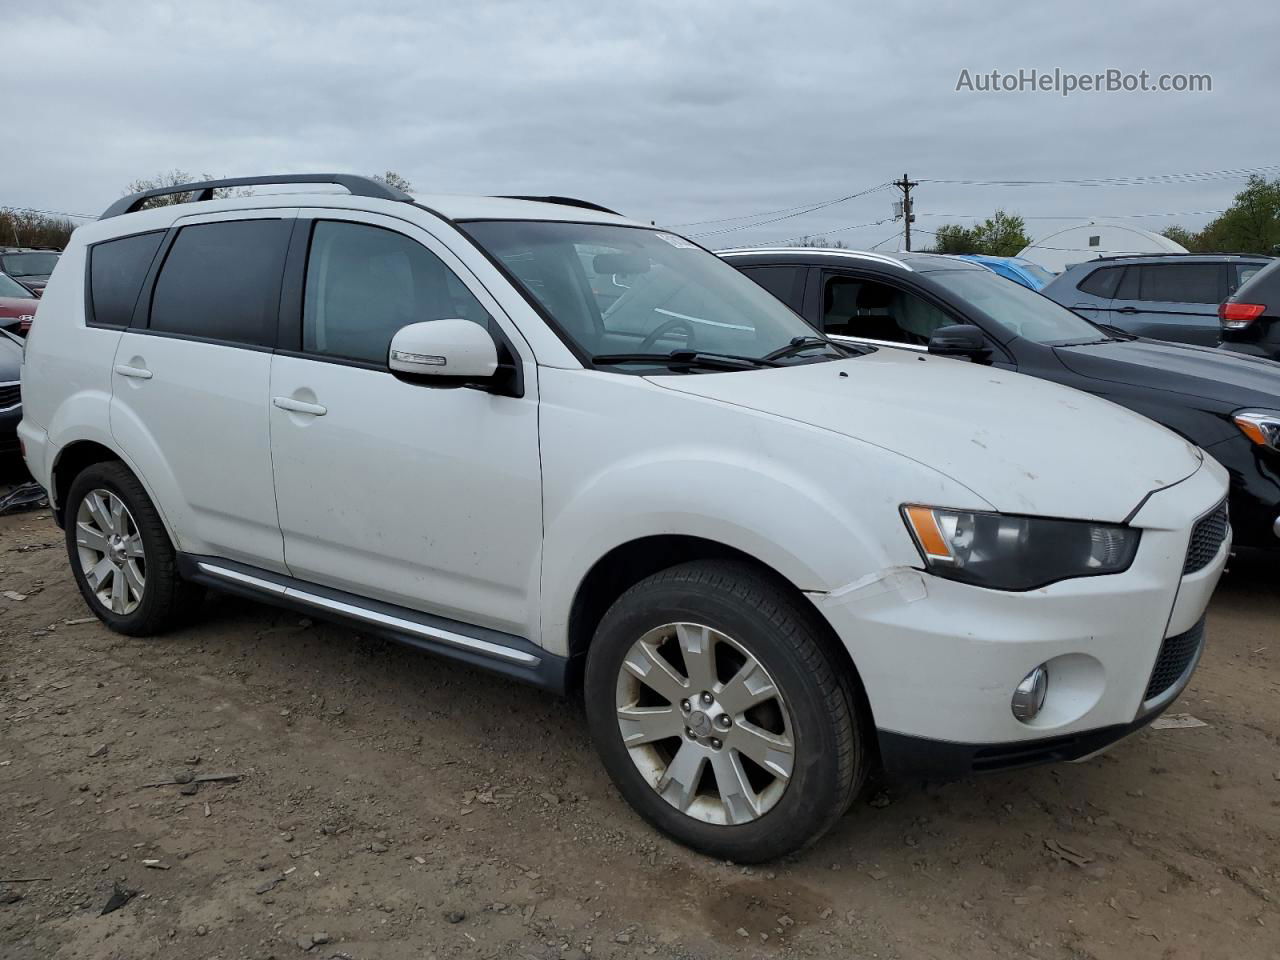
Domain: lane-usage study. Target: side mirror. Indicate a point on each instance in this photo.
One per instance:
(958, 340)
(450, 352)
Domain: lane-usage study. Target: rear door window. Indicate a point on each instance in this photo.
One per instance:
(221, 281)
(116, 271)
(783, 281)
(1180, 282)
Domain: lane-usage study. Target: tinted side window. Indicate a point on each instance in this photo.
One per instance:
(116, 271)
(364, 283)
(1180, 282)
(1101, 283)
(221, 281)
(1128, 288)
(784, 282)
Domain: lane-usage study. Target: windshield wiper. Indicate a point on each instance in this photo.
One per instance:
(687, 358)
(802, 343)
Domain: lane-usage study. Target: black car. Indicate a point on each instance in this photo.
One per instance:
(30, 266)
(10, 393)
(1227, 403)
(1250, 317)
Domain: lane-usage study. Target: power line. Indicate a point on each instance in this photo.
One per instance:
(809, 209)
(1231, 174)
(1085, 216)
(51, 213)
(823, 233)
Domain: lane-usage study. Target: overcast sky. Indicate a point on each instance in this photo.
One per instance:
(668, 111)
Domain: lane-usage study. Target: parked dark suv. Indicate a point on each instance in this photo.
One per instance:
(1172, 296)
(30, 266)
(1225, 403)
(1250, 317)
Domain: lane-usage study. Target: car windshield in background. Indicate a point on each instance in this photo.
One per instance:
(28, 264)
(10, 287)
(1022, 312)
(1037, 272)
(617, 291)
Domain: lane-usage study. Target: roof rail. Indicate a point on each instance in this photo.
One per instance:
(1176, 253)
(357, 185)
(565, 202)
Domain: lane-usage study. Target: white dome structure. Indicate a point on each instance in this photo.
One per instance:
(1088, 241)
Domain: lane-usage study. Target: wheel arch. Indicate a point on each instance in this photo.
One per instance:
(74, 457)
(628, 563)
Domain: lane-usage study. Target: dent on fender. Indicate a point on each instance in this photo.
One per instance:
(906, 582)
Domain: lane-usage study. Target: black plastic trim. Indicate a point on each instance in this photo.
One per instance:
(357, 186)
(906, 756)
(564, 202)
(540, 669)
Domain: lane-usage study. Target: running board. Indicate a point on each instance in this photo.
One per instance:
(493, 650)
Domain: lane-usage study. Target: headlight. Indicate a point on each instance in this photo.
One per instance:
(1260, 426)
(1007, 552)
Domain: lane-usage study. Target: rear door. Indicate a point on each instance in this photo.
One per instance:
(191, 375)
(1171, 301)
(1095, 292)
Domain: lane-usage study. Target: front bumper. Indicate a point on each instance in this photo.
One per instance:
(904, 756)
(939, 660)
(9, 420)
(1255, 491)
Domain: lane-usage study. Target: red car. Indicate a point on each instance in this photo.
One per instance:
(17, 306)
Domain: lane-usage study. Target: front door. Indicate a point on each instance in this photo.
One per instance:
(423, 496)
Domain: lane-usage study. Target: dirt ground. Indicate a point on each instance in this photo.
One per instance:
(395, 806)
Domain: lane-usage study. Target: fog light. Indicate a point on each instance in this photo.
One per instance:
(1028, 696)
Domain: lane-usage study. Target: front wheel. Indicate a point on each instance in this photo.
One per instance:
(720, 714)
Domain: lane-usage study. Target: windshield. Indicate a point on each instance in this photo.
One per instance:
(28, 264)
(1035, 271)
(616, 290)
(1021, 311)
(10, 287)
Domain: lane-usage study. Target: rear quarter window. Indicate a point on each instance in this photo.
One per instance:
(116, 271)
(1101, 283)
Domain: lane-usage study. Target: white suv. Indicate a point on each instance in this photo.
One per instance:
(543, 439)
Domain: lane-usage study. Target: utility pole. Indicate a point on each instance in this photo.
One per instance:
(905, 186)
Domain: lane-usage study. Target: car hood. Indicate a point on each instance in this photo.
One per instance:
(18, 306)
(1023, 445)
(1229, 378)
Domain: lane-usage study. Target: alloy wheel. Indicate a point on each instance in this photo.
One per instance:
(112, 556)
(704, 723)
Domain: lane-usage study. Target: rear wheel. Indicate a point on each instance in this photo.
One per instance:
(121, 555)
(719, 713)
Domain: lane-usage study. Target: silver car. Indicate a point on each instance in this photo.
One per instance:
(1161, 296)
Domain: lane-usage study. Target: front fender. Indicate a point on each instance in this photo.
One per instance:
(818, 508)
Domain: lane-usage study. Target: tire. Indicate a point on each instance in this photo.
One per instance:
(757, 638)
(154, 597)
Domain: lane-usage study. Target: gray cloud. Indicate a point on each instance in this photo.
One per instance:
(672, 111)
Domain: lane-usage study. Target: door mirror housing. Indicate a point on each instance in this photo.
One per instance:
(959, 340)
(448, 352)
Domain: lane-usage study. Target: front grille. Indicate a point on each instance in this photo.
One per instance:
(10, 395)
(1206, 539)
(1176, 654)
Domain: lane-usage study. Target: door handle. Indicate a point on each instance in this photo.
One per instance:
(1127, 310)
(138, 373)
(300, 406)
